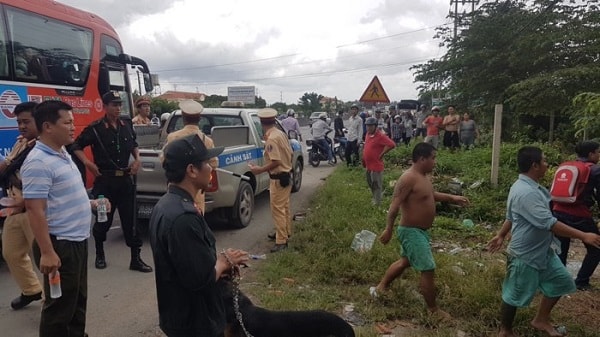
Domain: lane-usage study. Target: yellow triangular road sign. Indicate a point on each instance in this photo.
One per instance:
(374, 93)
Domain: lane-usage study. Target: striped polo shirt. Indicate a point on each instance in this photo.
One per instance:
(53, 176)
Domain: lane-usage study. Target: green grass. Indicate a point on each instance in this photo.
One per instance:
(327, 274)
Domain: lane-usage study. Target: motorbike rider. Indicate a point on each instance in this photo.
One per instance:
(291, 124)
(319, 132)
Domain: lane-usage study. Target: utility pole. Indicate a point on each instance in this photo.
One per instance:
(464, 5)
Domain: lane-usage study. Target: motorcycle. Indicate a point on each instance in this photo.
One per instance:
(340, 145)
(316, 154)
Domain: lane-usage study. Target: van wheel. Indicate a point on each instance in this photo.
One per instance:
(242, 210)
(297, 176)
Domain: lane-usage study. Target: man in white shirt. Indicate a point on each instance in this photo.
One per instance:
(355, 134)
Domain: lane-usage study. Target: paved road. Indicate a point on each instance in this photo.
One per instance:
(122, 303)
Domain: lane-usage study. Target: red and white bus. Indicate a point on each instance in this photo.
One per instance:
(52, 51)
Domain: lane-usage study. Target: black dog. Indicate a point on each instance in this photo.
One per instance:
(260, 322)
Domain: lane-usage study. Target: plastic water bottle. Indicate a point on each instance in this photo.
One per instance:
(101, 209)
(54, 280)
(7, 202)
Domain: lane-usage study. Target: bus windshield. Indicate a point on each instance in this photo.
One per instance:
(46, 50)
(51, 51)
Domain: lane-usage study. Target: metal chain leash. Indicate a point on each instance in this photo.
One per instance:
(236, 277)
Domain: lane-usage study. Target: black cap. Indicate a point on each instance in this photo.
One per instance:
(187, 150)
(111, 96)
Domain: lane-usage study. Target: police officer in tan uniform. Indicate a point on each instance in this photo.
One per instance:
(17, 236)
(278, 164)
(190, 113)
(142, 107)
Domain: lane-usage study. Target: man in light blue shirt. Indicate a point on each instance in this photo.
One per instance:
(532, 262)
(60, 216)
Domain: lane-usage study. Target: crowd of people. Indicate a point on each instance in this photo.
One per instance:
(540, 226)
(52, 212)
(402, 126)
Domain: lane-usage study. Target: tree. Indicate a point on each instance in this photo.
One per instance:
(533, 57)
(310, 102)
(160, 106)
(213, 101)
(586, 115)
(281, 107)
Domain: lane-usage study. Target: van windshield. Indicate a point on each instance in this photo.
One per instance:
(206, 122)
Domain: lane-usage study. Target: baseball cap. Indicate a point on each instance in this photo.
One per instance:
(111, 96)
(187, 150)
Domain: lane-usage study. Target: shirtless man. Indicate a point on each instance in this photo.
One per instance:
(450, 124)
(415, 198)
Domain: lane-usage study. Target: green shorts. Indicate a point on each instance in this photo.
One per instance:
(414, 245)
(522, 281)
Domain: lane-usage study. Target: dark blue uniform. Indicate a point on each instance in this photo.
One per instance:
(112, 148)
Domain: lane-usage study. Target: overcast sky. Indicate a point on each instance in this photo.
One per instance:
(284, 48)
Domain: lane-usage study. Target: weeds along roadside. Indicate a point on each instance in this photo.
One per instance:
(321, 271)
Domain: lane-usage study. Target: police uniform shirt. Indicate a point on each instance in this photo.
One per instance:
(190, 130)
(277, 147)
(117, 143)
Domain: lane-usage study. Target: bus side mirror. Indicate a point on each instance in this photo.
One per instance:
(148, 83)
(103, 81)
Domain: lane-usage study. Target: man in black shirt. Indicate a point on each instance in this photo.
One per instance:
(113, 142)
(190, 302)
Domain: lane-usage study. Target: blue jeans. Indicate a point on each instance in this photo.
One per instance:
(324, 145)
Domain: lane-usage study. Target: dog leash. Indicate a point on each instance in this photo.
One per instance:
(235, 277)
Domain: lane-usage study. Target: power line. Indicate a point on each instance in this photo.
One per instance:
(320, 74)
(297, 54)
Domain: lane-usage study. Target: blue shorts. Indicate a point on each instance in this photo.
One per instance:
(415, 246)
(522, 281)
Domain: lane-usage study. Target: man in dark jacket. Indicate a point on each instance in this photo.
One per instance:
(187, 265)
(113, 142)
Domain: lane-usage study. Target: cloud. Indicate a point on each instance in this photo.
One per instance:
(285, 48)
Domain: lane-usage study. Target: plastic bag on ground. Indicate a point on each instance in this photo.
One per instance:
(363, 241)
